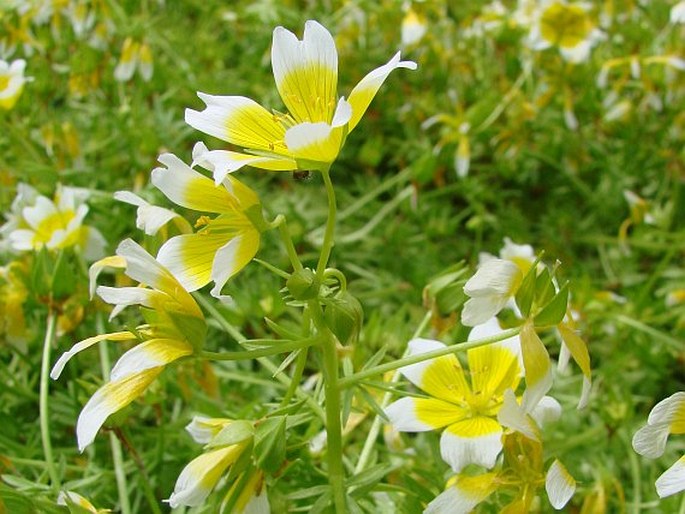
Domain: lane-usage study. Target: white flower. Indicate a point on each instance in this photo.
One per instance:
(678, 13)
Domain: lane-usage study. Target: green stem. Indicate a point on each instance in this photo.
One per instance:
(286, 346)
(327, 245)
(114, 443)
(334, 453)
(406, 361)
(300, 364)
(43, 401)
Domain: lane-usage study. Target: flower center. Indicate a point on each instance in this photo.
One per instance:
(565, 25)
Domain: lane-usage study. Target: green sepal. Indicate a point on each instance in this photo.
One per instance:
(269, 443)
(544, 287)
(555, 310)
(526, 292)
(233, 433)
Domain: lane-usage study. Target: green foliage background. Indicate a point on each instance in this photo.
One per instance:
(531, 179)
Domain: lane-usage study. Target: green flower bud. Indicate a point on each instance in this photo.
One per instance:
(344, 315)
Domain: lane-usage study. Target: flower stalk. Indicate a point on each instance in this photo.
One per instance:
(43, 402)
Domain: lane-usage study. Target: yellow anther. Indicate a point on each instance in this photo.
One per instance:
(202, 221)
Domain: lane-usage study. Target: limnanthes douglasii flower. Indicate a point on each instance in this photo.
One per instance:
(175, 328)
(223, 245)
(311, 133)
(12, 82)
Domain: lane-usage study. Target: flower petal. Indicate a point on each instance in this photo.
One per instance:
(476, 440)
(650, 440)
(110, 398)
(538, 369)
(578, 349)
(670, 411)
(364, 92)
(150, 354)
(87, 343)
(232, 257)
(222, 162)
(559, 485)
(240, 121)
(423, 414)
(493, 369)
(672, 481)
(113, 261)
(462, 494)
(512, 415)
(189, 257)
(442, 377)
(306, 72)
(190, 189)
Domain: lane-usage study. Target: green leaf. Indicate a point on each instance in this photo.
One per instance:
(555, 310)
(269, 448)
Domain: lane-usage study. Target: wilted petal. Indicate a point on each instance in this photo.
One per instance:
(87, 343)
(462, 494)
(559, 485)
(150, 354)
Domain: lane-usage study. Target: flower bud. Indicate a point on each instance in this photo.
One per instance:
(344, 315)
(303, 285)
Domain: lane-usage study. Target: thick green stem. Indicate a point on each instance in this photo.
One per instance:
(114, 443)
(406, 361)
(336, 473)
(43, 402)
(334, 453)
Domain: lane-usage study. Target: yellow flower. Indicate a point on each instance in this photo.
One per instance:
(223, 245)
(12, 82)
(13, 295)
(77, 504)
(311, 134)
(176, 328)
(667, 417)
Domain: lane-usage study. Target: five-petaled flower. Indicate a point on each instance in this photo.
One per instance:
(467, 410)
(175, 328)
(311, 134)
(667, 417)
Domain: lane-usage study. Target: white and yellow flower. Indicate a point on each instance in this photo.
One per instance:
(223, 245)
(667, 417)
(12, 82)
(414, 27)
(175, 329)
(467, 411)
(311, 134)
(134, 55)
(199, 478)
(36, 222)
(490, 289)
(567, 26)
(522, 473)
